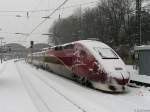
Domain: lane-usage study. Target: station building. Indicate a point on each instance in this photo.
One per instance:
(142, 57)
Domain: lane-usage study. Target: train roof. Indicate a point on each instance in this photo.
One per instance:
(92, 43)
(87, 43)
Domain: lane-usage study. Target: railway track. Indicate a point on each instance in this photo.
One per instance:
(33, 93)
(3, 68)
(36, 74)
(86, 100)
(138, 84)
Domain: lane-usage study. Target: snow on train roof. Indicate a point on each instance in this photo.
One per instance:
(87, 43)
(92, 43)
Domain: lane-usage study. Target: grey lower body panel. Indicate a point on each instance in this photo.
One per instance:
(60, 69)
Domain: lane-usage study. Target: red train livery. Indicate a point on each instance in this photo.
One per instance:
(88, 62)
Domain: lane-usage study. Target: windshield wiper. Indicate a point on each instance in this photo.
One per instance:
(109, 58)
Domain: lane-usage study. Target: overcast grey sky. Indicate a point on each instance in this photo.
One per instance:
(10, 24)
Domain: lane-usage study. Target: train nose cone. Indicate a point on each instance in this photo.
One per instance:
(120, 78)
(122, 81)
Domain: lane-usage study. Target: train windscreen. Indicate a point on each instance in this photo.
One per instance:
(106, 53)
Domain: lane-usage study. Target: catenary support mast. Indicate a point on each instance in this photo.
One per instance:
(138, 37)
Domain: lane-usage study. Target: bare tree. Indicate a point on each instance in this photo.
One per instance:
(115, 13)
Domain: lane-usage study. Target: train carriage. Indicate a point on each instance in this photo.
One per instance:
(87, 61)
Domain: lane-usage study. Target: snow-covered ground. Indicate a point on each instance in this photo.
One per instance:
(134, 75)
(13, 95)
(23, 88)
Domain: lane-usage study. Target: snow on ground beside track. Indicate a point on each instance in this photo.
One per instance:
(134, 75)
(90, 99)
(2, 67)
(13, 95)
(50, 99)
(132, 70)
(55, 99)
(23, 88)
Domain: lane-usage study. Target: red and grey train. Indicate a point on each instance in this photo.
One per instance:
(87, 61)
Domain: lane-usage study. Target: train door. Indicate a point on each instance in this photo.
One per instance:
(80, 57)
(76, 59)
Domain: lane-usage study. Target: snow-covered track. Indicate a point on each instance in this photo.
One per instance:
(61, 94)
(88, 99)
(33, 94)
(136, 79)
(57, 91)
(13, 95)
(139, 83)
(36, 74)
(2, 68)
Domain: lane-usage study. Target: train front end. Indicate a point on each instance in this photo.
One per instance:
(111, 71)
(117, 75)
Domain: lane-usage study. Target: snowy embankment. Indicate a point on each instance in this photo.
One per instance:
(134, 75)
(52, 93)
(58, 93)
(2, 67)
(13, 95)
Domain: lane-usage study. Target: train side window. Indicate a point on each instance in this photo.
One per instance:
(58, 48)
(69, 46)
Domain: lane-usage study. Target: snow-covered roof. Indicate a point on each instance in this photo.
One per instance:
(142, 47)
(92, 43)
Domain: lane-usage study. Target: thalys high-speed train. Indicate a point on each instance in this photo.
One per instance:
(87, 61)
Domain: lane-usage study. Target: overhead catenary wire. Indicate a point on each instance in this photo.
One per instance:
(47, 16)
(61, 8)
(25, 14)
(25, 34)
(28, 34)
(64, 8)
(47, 10)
